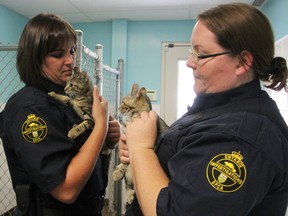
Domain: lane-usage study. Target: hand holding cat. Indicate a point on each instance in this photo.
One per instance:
(142, 132)
(123, 150)
(99, 109)
(113, 134)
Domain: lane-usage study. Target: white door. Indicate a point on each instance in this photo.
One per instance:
(176, 81)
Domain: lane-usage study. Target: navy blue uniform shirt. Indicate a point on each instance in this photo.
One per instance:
(228, 155)
(38, 151)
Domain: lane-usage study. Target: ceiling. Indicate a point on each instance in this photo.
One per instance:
(78, 11)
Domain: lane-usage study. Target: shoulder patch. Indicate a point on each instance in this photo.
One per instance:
(226, 172)
(34, 129)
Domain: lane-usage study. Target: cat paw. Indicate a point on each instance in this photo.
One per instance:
(117, 175)
(73, 133)
(130, 196)
(52, 94)
(105, 151)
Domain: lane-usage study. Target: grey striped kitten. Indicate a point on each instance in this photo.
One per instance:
(131, 107)
(79, 95)
(79, 92)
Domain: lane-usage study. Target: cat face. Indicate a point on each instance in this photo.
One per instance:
(78, 84)
(136, 102)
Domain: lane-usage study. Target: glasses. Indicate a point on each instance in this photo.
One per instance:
(197, 57)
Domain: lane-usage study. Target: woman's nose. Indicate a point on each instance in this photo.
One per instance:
(69, 58)
(191, 63)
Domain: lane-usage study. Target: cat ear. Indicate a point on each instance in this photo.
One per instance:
(134, 90)
(76, 70)
(84, 73)
(85, 76)
(143, 90)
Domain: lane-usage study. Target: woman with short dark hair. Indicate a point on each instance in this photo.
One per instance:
(51, 173)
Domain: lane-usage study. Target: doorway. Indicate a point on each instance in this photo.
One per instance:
(176, 81)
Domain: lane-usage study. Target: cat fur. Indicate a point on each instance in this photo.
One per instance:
(79, 94)
(131, 107)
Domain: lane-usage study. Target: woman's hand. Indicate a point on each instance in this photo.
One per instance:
(142, 132)
(83, 163)
(99, 109)
(148, 175)
(123, 150)
(114, 133)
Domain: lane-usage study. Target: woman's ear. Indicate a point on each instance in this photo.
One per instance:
(245, 62)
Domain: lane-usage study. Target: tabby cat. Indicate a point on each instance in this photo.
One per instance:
(79, 92)
(79, 95)
(131, 107)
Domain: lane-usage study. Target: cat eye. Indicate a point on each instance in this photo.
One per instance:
(197, 57)
(75, 86)
(127, 106)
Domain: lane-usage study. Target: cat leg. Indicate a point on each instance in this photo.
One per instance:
(128, 176)
(130, 195)
(118, 173)
(105, 150)
(62, 98)
(74, 132)
(79, 111)
(129, 185)
(79, 129)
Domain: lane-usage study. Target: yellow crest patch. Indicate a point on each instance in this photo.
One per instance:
(34, 129)
(226, 172)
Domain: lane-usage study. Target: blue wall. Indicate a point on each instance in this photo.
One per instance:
(11, 26)
(276, 11)
(91, 37)
(138, 43)
(144, 49)
(142, 45)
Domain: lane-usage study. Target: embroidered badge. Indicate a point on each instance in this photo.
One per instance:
(34, 129)
(226, 172)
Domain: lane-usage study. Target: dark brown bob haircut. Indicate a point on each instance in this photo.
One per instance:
(44, 33)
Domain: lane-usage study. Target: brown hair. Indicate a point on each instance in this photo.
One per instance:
(42, 34)
(240, 27)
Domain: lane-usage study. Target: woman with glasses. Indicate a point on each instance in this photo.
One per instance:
(228, 155)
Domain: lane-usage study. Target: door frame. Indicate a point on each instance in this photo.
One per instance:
(165, 47)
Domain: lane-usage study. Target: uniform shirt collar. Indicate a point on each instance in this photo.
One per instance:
(50, 86)
(206, 101)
